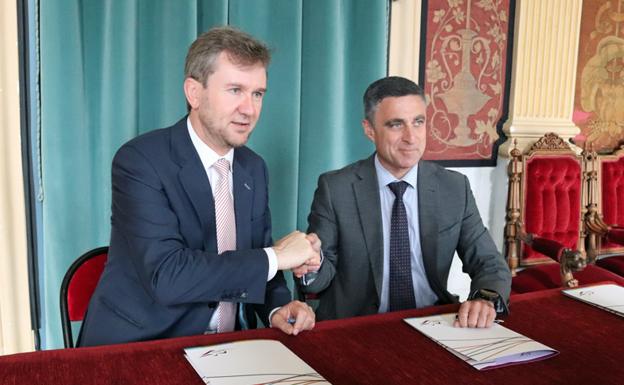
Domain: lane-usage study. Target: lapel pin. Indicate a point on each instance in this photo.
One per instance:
(247, 186)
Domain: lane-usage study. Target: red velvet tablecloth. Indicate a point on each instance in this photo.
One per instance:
(380, 349)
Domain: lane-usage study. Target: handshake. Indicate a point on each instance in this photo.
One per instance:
(300, 252)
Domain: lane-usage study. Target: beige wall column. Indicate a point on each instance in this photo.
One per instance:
(15, 332)
(546, 40)
(405, 38)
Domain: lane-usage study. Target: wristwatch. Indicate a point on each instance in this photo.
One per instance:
(492, 296)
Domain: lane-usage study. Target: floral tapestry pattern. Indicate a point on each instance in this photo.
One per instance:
(599, 96)
(465, 76)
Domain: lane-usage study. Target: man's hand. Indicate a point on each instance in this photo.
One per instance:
(315, 241)
(293, 318)
(312, 264)
(477, 313)
(294, 250)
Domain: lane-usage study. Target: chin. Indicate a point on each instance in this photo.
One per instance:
(414, 160)
(238, 143)
(409, 163)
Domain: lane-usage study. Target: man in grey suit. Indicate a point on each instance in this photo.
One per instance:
(390, 224)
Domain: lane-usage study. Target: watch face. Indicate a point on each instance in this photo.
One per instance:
(488, 295)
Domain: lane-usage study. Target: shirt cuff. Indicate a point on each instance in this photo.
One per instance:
(272, 258)
(271, 315)
(310, 277)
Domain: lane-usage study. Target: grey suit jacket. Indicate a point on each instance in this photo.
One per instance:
(346, 216)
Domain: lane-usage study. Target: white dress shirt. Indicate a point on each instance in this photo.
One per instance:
(208, 158)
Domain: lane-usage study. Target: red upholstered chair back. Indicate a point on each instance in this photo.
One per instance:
(552, 201)
(611, 197)
(77, 288)
(545, 199)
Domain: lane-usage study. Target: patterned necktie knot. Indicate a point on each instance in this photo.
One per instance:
(222, 166)
(398, 188)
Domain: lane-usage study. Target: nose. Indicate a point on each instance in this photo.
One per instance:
(409, 134)
(247, 106)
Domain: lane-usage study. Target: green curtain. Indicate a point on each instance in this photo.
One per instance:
(112, 69)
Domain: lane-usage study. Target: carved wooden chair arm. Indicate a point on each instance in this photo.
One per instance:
(569, 260)
(596, 226)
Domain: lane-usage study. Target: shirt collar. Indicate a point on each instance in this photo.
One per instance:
(207, 155)
(384, 177)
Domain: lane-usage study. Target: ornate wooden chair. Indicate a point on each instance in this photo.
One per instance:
(605, 217)
(547, 200)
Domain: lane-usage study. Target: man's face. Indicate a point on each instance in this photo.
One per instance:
(398, 131)
(226, 111)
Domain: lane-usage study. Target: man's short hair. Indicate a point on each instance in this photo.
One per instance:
(385, 87)
(241, 48)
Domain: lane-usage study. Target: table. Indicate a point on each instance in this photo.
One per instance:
(378, 349)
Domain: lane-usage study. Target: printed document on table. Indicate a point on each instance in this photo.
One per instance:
(483, 348)
(251, 362)
(608, 297)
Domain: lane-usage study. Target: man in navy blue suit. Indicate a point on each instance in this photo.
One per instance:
(191, 249)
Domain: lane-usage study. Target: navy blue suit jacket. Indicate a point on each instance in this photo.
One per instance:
(164, 276)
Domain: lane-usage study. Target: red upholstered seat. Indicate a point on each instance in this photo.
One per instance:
(77, 288)
(547, 276)
(614, 264)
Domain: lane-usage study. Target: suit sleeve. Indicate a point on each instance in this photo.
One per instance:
(322, 221)
(482, 261)
(277, 292)
(147, 226)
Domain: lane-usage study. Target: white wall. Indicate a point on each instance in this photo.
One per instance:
(489, 186)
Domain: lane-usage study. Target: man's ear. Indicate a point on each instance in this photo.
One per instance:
(369, 130)
(191, 91)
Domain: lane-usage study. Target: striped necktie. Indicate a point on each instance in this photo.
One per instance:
(226, 236)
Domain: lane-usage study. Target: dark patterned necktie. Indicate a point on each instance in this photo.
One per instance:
(401, 286)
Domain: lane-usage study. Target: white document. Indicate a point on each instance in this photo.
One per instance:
(608, 297)
(482, 348)
(251, 362)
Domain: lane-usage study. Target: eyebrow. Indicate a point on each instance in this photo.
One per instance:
(399, 120)
(238, 85)
(393, 121)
